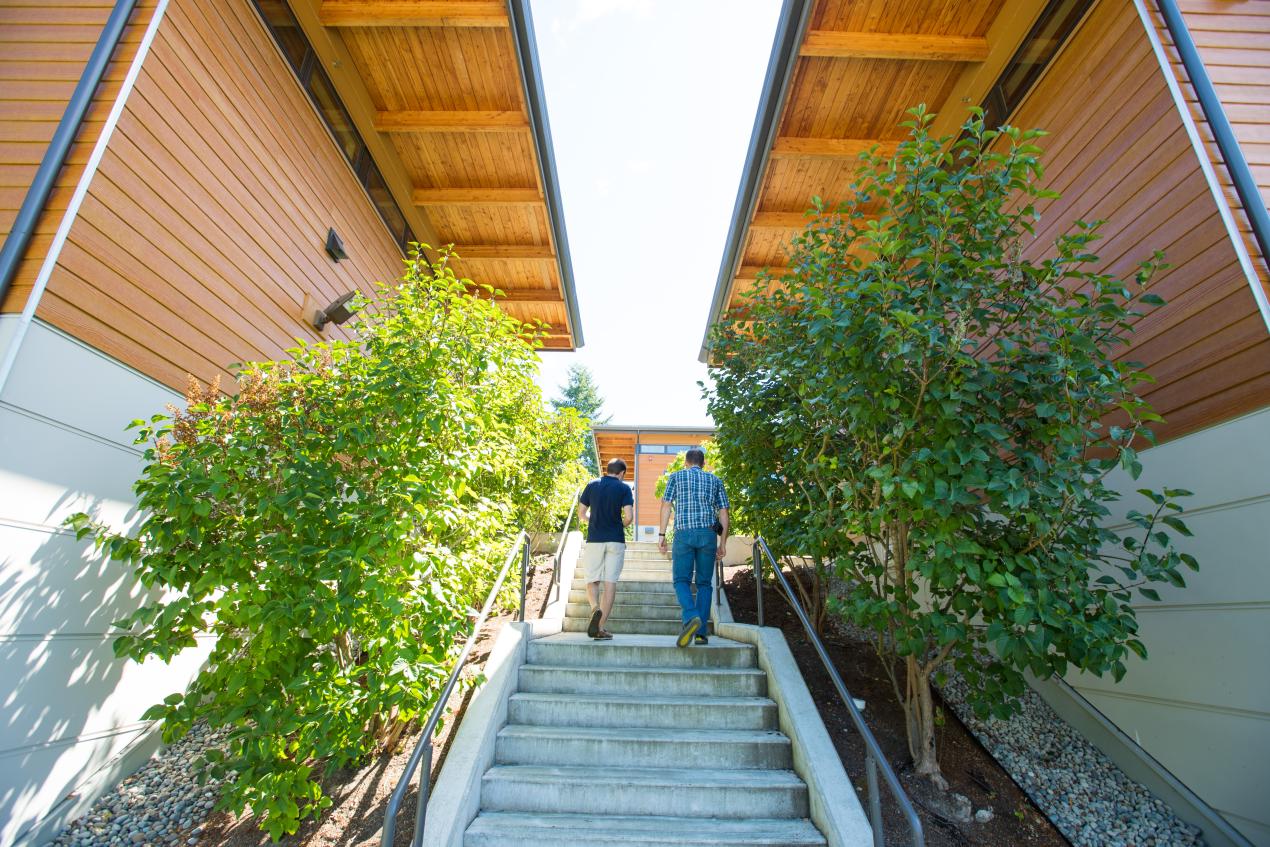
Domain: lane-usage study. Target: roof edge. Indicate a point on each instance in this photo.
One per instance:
(650, 428)
(780, 71)
(522, 22)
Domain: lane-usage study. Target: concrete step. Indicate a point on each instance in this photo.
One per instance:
(636, 586)
(629, 574)
(640, 747)
(628, 611)
(624, 710)
(705, 792)
(498, 829)
(665, 682)
(638, 651)
(625, 595)
(643, 626)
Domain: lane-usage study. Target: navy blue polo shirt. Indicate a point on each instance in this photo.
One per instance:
(605, 497)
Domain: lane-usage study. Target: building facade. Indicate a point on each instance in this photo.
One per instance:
(647, 451)
(239, 166)
(1136, 139)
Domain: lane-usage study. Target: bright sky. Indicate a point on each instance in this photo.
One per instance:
(651, 104)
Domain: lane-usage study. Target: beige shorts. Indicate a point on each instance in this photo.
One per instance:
(603, 560)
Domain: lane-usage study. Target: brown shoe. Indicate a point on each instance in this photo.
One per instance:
(593, 628)
(604, 635)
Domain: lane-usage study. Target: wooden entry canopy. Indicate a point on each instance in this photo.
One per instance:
(448, 97)
(841, 77)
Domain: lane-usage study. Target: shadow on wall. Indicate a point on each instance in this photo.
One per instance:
(69, 706)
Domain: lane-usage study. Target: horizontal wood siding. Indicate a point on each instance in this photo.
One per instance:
(1233, 39)
(1118, 151)
(44, 46)
(201, 241)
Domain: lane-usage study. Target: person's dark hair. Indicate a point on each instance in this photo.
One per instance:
(695, 457)
(615, 466)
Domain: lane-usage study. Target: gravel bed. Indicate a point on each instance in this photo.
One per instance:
(1087, 797)
(161, 805)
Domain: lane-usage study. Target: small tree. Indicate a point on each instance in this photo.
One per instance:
(940, 411)
(581, 394)
(331, 525)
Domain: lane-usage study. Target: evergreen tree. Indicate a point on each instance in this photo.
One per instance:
(582, 394)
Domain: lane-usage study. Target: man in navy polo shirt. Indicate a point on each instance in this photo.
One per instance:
(608, 506)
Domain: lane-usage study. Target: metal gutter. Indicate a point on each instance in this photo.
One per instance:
(527, 52)
(60, 146)
(653, 428)
(1240, 174)
(780, 72)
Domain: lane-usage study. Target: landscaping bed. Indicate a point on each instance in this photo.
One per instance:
(162, 806)
(970, 770)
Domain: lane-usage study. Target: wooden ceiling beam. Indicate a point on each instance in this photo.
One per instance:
(526, 252)
(789, 220)
(898, 45)
(827, 148)
(520, 295)
(752, 271)
(557, 342)
(474, 13)
(477, 197)
(475, 121)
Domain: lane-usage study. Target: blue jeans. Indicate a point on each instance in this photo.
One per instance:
(692, 560)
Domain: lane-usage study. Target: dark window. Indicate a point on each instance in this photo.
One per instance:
(1048, 34)
(308, 69)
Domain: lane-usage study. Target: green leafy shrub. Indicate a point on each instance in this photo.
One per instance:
(935, 414)
(332, 524)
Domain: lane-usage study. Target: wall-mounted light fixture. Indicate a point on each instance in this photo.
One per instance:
(335, 245)
(336, 313)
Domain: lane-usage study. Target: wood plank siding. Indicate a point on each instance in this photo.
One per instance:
(201, 241)
(1233, 40)
(44, 45)
(1118, 150)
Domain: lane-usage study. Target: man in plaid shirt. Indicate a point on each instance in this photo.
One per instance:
(698, 500)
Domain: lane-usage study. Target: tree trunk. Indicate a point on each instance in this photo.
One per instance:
(921, 722)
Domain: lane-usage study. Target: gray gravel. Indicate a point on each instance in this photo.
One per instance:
(161, 805)
(1087, 797)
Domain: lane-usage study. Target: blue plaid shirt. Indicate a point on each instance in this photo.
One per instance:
(697, 495)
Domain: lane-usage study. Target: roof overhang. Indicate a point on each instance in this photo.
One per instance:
(467, 156)
(814, 118)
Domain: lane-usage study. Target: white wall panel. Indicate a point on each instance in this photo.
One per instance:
(68, 708)
(1200, 704)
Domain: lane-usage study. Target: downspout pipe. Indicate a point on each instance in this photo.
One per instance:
(1245, 186)
(59, 148)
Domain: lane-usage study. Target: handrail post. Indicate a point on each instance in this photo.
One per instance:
(524, 578)
(758, 582)
(875, 799)
(425, 782)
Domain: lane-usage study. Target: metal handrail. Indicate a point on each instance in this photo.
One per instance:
(872, 752)
(423, 750)
(564, 537)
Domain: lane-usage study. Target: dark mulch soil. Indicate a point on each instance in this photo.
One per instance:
(968, 767)
(361, 795)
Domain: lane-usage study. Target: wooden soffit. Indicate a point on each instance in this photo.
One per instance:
(448, 98)
(843, 73)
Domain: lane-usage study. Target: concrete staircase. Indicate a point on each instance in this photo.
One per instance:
(645, 596)
(638, 743)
